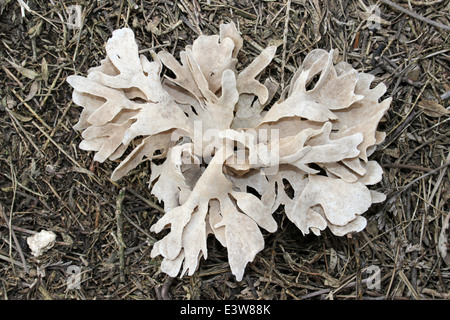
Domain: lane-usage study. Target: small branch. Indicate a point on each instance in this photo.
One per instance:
(424, 176)
(406, 187)
(13, 235)
(151, 204)
(416, 16)
(286, 28)
(405, 166)
(121, 243)
(31, 110)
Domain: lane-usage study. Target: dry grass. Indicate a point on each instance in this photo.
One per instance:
(46, 182)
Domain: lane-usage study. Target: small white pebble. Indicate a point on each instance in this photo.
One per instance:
(41, 242)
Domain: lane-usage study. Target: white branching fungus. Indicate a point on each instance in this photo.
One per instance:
(227, 156)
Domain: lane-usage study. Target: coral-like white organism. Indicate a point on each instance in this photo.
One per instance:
(232, 158)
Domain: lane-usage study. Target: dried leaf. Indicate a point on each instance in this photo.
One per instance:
(28, 73)
(44, 70)
(433, 109)
(34, 88)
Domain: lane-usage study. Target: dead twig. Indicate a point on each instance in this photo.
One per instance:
(119, 224)
(416, 15)
(286, 28)
(13, 236)
(446, 164)
(409, 185)
(405, 166)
